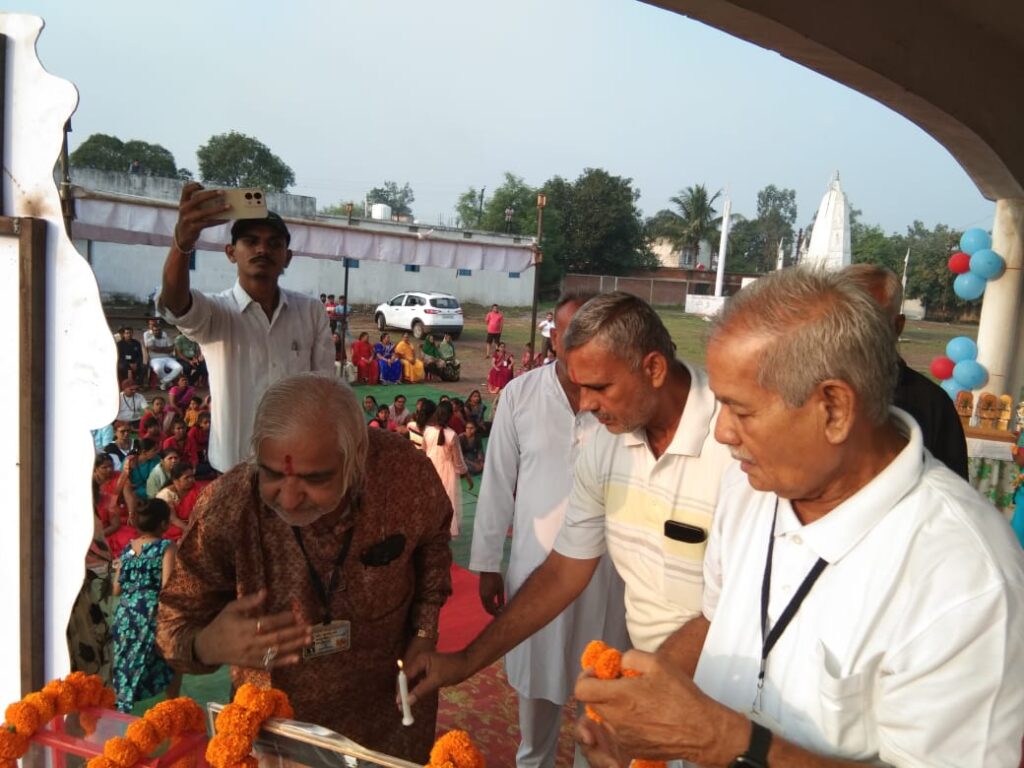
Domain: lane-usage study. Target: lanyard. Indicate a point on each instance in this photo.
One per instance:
(769, 639)
(318, 585)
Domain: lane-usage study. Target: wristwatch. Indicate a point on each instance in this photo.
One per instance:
(756, 755)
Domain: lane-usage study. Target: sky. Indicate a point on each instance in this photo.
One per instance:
(451, 94)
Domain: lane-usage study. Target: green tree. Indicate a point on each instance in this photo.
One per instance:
(776, 214)
(697, 220)
(663, 224)
(235, 160)
(108, 153)
(745, 247)
(928, 277)
(399, 198)
(513, 194)
(594, 226)
(470, 208)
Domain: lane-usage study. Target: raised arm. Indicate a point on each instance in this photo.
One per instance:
(197, 211)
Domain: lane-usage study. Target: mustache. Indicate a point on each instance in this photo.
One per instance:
(741, 456)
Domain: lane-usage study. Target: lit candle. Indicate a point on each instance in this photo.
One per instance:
(403, 692)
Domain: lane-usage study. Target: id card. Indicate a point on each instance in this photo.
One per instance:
(329, 638)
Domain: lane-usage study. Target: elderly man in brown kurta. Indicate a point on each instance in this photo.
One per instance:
(309, 570)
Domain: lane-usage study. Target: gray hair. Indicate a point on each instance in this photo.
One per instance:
(307, 402)
(622, 323)
(577, 297)
(882, 284)
(819, 325)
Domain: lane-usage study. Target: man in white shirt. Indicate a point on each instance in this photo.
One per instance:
(160, 349)
(546, 326)
(644, 488)
(253, 334)
(862, 604)
(536, 437)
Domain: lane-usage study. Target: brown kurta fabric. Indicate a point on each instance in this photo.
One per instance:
(237, 546)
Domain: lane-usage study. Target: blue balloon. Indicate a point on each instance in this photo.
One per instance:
(987, 264)
(970, 374)
(951, 387)
(961, 348)
(974, 240)
(968, 286)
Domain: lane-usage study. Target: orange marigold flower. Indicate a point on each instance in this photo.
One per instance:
(12, 745)
(282, 707)
(608, 665)
(592, 714)
(90, 693)
(5, 763)
(121, 752)
(631, 673)
(246, 762)
(162, 721)
(108, 698)
(455, 748)
(143, 735)
(172, 715)
(590, 654)
(24, 717)
(99, 762)
(226, 749)
(648, 764)
(235, 718)
(88, 722)
(44, 703)
(256, 700)
(63, 694)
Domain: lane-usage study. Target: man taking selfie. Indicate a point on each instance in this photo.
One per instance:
(253, 333)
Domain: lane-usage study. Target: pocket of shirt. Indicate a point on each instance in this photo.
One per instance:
(683, 574)
(844, 706)
(299, 359)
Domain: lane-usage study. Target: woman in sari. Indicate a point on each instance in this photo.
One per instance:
(442, 447)
(502, 369)
(432, 362)
(412, 369)
(476, 408)
(364, 359)
(450, 364)
(114, 501)
(390, 367)
(180, 395)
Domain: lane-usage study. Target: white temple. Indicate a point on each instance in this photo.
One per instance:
(830, 239)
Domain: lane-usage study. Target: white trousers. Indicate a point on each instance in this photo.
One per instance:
(540, 722)
(167, 369)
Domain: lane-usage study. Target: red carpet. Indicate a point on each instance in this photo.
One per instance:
(484, 706)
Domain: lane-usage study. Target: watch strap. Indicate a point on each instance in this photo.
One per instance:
(756, 755)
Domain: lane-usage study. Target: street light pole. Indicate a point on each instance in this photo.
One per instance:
(542, 201)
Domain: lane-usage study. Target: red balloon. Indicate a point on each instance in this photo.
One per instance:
(942, 368)
(960, 262)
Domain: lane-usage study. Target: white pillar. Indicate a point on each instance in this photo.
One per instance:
(998, 330)
(720, 275)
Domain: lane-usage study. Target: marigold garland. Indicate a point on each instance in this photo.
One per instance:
(455, 750)
(240, 721)
(169, 719)
(23, 719)
(607, 665)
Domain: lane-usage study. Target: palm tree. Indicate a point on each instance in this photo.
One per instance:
(697, 218)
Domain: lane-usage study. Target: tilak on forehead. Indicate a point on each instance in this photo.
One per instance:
(288, 468)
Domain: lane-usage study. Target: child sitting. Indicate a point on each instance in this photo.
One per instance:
(145, 565)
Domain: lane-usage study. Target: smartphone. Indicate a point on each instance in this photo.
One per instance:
(690, 534)
(248, 203)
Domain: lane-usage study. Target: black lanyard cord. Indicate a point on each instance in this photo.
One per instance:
(318, 585)
(769, 639)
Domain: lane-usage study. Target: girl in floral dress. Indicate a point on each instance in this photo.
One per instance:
(144, 567)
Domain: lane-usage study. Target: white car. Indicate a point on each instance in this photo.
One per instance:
(422, 312)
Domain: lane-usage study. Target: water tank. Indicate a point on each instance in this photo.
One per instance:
(380, 211)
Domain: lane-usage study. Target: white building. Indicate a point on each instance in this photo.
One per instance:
(829, 244)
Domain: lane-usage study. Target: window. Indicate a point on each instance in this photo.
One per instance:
(412, 267)
(513, 275)
(397, 301)
(465, 273)
(351, 263)
(444, 302)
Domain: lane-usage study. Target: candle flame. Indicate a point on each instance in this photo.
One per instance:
(400, 664)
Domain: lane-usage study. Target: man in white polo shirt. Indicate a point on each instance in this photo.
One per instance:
(863, 604)
(644, 488)
(254, 333)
